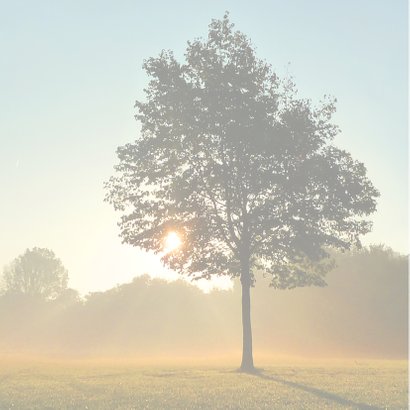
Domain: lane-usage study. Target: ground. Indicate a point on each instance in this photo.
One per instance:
(75, 385)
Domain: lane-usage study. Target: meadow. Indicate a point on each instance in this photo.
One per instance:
(123, 385)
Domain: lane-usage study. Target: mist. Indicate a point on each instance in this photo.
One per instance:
(361, 313)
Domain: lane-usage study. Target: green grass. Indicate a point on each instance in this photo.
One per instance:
(34, 385)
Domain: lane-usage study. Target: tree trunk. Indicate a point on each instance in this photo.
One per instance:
(247, 355)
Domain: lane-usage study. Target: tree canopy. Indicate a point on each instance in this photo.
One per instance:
(38, 273)
(244, 170)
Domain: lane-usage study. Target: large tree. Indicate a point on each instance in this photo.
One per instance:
(36, 273)
(241, 168)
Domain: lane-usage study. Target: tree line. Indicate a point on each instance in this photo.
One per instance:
(361, 313)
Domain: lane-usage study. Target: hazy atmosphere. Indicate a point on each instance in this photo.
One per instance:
(205, 205)
(73, 70)
(129, 322)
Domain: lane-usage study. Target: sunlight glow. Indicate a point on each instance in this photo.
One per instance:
(172, 242)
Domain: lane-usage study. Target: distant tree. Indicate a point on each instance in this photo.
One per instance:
(241, 168)
(38, 273)
(68, 297)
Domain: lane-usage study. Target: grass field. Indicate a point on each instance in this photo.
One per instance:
(364, 385)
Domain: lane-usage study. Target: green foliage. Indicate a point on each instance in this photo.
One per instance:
(241, 167)
(36, 273)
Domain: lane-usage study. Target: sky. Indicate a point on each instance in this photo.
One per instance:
(70, 72)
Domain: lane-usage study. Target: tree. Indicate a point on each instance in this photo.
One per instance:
(244, 170)
(38, 273)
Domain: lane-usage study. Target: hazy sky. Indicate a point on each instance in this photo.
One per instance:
(71, 71)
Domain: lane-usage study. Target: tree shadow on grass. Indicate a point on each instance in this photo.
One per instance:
(317, 392)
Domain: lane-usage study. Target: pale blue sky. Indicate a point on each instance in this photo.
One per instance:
(71, 71)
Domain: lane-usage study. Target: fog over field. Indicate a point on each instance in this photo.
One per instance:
(362, 313)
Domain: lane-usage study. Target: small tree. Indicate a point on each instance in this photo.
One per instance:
(243, 170)
(37, 272)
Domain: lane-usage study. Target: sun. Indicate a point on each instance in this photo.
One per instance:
(172, 242)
